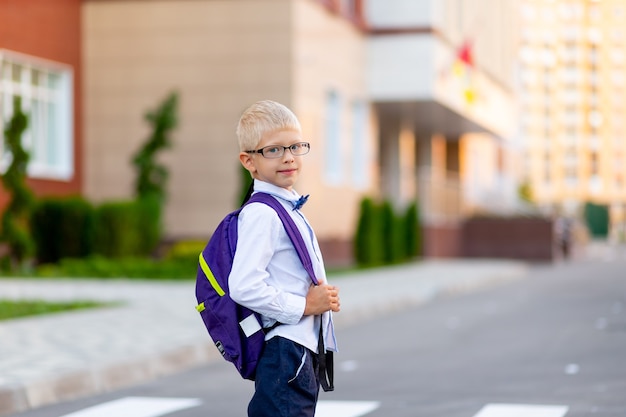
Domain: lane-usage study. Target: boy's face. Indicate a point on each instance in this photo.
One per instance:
(282, 171)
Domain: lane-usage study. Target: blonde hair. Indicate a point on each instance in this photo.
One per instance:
(262, 117)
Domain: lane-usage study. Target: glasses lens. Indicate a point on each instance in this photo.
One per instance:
(273, 151)
(299, 148)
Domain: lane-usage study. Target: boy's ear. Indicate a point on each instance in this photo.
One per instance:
(247, 162)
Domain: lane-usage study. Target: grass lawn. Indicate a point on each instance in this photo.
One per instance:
(11, 309)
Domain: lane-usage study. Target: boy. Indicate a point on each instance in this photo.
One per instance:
(267, 275)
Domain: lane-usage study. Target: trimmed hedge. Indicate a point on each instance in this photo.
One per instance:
(127, 228)
(73, 228)
(63, 228)
(123, 267)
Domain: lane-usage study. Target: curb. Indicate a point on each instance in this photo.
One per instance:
(102, 379)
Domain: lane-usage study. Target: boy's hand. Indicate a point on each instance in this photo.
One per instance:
(321, 298)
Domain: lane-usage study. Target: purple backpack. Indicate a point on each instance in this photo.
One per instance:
(236, 330)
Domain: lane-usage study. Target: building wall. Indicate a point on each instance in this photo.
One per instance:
(439, 70)
(329, 59)
(220, 56)
(329, 56)
(48, 30)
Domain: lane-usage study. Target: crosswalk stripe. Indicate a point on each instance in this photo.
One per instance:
(345, 408)
(522, 410)
(137, 407)
(155, 407)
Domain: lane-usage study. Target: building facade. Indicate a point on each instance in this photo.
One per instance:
(400, 99)
(40, 61)
(221, 56)
(573, 59)
(441, 77)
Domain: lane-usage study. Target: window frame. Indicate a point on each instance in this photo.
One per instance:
(47, 99)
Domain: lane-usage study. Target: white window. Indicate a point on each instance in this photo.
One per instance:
(360, 145)
(333, 148)
(46, 92)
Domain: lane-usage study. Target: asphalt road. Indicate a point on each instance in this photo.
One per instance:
(550, 345)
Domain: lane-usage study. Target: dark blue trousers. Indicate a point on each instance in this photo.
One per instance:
(286, 383)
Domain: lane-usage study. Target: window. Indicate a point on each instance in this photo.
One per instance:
(595, 168)
(46, 92)
(360, 145)
(333, 150)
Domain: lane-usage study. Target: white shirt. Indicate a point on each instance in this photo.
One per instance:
(269, 278)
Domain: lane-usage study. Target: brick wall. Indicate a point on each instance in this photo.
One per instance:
(48, 29)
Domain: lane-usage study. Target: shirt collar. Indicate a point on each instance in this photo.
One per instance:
(265, 187)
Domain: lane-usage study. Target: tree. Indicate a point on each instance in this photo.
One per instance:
(368, 243)
(152, 176)
(16, 218)
(412, 231)
(150, 186)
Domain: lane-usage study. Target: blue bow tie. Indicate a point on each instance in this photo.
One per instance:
(300, 202)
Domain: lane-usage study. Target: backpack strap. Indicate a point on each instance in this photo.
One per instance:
(325, 359)
(292, 231)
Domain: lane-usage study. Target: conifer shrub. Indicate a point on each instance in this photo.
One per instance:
(150, 185)
(151, 175)
(368, 243)
(394, 245)
(15, 230)
(412, 231)
(385, 237)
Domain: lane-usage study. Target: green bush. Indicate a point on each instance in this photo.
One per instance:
(123, 267)
(394, 245)
(412, 231)
(186, 250)
(16, 217)
(117, 231)
(63, 228)
(383, 236)
(368, 243)
(245, 182)
(149, 224)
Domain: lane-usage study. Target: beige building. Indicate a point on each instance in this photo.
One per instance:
(573, 76)
(221, 56)
(401, 99)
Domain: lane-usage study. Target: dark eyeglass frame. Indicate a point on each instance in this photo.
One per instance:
(296, 149)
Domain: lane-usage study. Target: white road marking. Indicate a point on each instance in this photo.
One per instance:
(348, 366)
(572, 369)
(345, 408)
(522, 410)
(137, 407)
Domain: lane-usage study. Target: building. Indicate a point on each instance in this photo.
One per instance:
(573, 73)
(40, 60)
(399, 99)
(441, 77)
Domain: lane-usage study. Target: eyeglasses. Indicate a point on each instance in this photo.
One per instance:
(276, 151)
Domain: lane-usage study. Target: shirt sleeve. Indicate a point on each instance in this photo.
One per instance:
(259, 229)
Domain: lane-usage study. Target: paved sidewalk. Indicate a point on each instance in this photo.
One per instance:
(156, 331)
